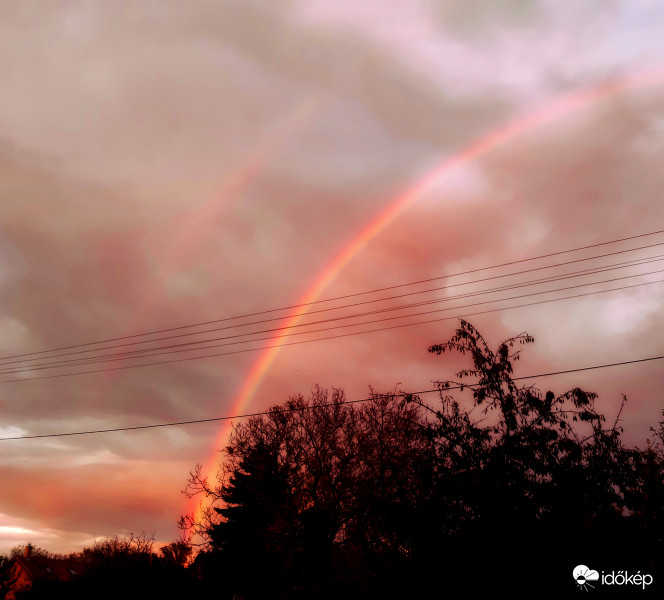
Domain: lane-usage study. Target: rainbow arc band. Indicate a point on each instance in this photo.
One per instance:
(560, 107)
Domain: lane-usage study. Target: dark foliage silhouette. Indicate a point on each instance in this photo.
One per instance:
(112, 568)
(538, 482)
(395, 497)
(499, 487)
(313, 496)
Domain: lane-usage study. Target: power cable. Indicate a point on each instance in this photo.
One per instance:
(294, 409)
(340, 335)
(356, 294)
(137, 354)
(31, 364)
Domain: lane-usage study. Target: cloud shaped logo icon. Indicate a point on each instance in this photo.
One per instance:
(583, 575)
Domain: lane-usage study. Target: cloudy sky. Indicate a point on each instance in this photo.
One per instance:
(164, 164)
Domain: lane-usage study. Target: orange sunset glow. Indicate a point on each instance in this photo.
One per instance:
(210, 208)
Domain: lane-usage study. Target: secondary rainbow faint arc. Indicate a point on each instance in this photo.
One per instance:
(199, 225)
(561, 106)
(202, 222)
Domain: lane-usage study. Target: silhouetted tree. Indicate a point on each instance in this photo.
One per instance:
(177, 553)
(5, 563)
(128, 568)
(538, 482)
(646, 499)
(314, 496)
(394, 497)
(35, 551)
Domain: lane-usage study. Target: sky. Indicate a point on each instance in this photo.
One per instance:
(164, 164)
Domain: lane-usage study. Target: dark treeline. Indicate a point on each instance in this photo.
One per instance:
(112, 568)
(395, 498)
(498, 487)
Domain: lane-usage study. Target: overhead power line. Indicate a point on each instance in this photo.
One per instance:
(294, 409)
(197, 345)
(280, 344)
(357, 294)
(19, 365)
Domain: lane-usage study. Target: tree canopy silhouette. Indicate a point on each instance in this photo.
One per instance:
(540, 474)
(393, 496)
(112, 568)
(310, 493)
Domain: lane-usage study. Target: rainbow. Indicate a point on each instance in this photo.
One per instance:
(201, 224)
(203, 221)
(561, 106)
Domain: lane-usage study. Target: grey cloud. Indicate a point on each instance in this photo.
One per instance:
(175, 103)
